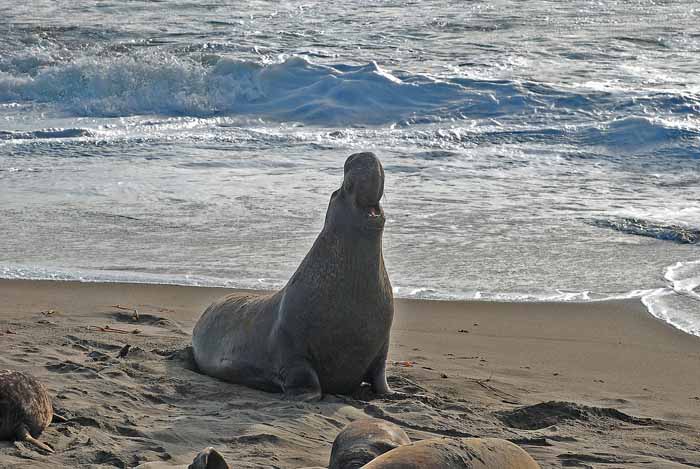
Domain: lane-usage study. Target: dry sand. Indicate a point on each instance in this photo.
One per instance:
(600, 385)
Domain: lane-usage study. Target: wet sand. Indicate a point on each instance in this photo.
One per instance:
(596, 385)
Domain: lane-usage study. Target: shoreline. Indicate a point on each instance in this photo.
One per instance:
(473, 362)
(645, 297)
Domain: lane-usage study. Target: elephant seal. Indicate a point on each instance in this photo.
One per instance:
(208, 458)
(25, 408)
(363, 440)
(327, 330)
(463, 453)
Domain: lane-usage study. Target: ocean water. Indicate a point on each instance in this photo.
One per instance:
(533, 151)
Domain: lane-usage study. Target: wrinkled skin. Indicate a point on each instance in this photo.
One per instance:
(327, 330)
(459, 453)
(363, 440)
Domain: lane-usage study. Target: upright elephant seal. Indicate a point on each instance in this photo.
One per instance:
(25, 408)
(463, 453)
(327, 330)
(363, 440)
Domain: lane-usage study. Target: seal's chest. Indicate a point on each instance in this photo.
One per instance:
(350, 341)
(358, 323)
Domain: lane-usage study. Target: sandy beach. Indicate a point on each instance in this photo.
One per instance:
(589, 385)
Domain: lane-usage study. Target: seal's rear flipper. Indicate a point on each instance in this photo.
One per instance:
(23, 435)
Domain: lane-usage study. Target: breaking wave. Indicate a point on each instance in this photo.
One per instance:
(298, 90)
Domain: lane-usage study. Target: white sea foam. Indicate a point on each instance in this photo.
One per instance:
(36, 272)
(637, 133)
(679, 304)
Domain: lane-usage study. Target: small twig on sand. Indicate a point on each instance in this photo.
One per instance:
(58, 418)
(404, 363)
(112, 329)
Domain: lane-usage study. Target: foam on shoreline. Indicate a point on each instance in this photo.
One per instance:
(676, 304)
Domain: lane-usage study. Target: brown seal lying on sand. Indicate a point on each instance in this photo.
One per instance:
(327, 330)
(25, 408)
(363, 440)
(462, 453)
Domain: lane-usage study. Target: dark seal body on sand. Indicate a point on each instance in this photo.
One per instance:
(327, 330)
(25, 408)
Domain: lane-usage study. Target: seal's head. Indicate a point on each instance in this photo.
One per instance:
(355, 206)
(363, 440)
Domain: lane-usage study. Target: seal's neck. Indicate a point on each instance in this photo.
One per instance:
(339, 259)
(354, 249)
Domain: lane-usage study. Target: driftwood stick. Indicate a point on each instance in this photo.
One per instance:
(112, 329)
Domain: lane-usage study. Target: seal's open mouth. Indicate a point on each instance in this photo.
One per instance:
(374, 211)
(375, 217)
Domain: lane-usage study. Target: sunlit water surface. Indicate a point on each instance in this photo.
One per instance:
(538, 150)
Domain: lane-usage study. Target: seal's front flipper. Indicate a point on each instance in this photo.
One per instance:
(376, 374)
(301, 384)
(23, 435)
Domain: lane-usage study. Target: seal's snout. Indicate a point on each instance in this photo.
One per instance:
(364, 179)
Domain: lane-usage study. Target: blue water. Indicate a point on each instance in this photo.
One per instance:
(537, 150)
